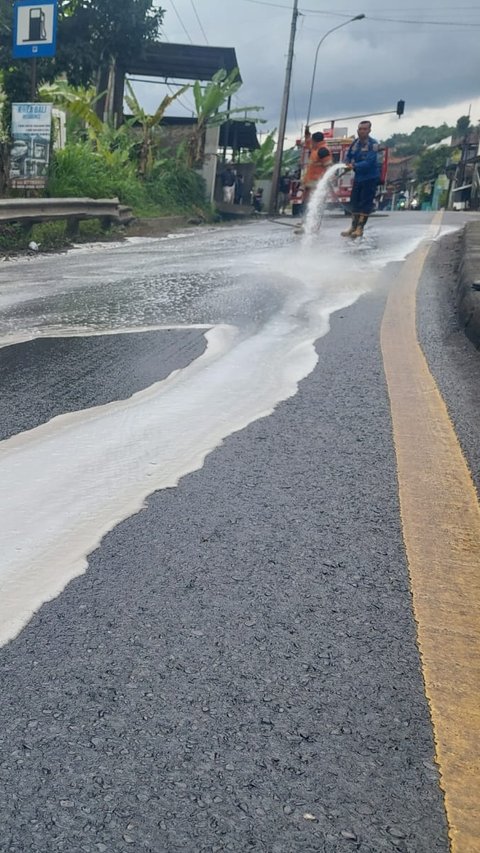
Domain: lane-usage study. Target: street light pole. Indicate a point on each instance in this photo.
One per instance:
(283, 115)
(356, 18)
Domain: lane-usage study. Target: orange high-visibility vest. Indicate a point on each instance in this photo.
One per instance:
(316, 167)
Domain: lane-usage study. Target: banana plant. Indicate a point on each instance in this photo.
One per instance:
(208, 102)
(77, 101)
(148, 124)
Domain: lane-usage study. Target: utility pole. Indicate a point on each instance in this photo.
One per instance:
(283, 115)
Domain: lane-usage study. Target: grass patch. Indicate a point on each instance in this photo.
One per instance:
(52, 236)
(78, 171)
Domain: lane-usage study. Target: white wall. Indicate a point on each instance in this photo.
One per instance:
(209, 168)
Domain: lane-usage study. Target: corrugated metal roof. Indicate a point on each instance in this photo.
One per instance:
(183, 61)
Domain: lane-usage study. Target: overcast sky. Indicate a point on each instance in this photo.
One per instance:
(427, 54)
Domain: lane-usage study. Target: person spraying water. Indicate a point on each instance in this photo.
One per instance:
(362, 157)
(319, 159)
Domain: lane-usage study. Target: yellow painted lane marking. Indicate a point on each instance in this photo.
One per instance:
(441, 528)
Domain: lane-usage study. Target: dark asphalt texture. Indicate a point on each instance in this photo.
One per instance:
(452, 357)
(237, 670)
(46, 377)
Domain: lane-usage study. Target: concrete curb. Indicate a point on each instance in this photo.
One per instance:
(468, 286)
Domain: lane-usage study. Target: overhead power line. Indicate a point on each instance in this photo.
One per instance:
(199, 21)
(181, 22)
(306, 11)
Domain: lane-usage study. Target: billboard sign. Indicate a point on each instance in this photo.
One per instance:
(30, 152)
(34, 29)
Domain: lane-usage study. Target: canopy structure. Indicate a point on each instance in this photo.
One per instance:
(183, 61)
(237, 134)
(234, 134)
(166, 61)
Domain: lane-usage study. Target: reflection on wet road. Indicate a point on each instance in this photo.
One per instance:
(223, 275)
(265, 299)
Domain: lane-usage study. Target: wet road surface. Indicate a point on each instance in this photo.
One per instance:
(237, 668)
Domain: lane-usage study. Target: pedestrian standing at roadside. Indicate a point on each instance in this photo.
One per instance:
(227, 179)
(283, 193)
(239, 189)
(257, 199)
(362, 157)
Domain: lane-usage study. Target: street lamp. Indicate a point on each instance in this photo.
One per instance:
(356, 18)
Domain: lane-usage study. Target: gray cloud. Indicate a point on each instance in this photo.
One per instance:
(364, 67)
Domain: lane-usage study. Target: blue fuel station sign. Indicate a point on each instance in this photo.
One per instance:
(34, 29)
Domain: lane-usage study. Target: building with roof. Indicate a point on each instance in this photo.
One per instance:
(175, 64)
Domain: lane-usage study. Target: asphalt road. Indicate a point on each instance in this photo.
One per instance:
(237, 668)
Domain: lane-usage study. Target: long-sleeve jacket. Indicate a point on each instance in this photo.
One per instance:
(364, 158)
(318, 162)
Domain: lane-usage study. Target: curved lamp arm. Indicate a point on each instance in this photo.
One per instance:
(344, 24)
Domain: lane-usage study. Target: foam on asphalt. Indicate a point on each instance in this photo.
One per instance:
(238, 670)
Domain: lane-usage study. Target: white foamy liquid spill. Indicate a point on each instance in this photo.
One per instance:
(65, 484)
(316, 205)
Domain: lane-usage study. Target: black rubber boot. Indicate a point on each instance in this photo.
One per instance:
(358, 230)
(353, 226)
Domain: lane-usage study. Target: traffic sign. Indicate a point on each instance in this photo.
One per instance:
(34, 28)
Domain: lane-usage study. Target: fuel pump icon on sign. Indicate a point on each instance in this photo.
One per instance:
(36, 25)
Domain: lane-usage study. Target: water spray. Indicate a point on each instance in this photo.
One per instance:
(317, 202)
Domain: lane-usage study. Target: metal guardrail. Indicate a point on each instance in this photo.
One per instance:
(30, 211)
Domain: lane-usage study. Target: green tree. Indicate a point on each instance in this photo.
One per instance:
(90, 34)
(414, 143)
(432, 163)
(463, 125)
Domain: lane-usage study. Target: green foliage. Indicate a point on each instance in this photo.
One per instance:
(414, 143)
(463, 125)
(77, 101)
(50, 236)
(149, 125)
(90, 33)
(80, 171)
(432, 163)
(263, 157)
(207, 105)
(176, 187)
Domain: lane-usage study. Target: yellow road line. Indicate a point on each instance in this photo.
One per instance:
(441, 528)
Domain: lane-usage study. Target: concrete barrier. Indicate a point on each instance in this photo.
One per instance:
(468, 287)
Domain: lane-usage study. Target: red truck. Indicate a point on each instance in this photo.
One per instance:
(342, 186)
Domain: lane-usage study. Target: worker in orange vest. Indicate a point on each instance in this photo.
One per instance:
(319, 160)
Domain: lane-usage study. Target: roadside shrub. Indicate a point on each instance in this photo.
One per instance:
(174, 186)
(77, 170)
